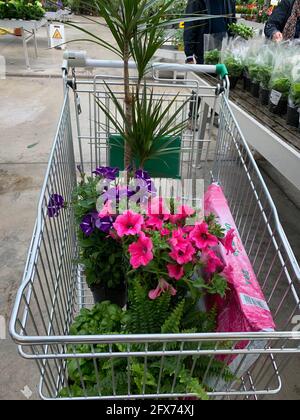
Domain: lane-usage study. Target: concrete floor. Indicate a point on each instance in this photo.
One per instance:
(29, 110)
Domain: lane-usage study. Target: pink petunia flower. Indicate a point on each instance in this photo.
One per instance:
(202, 238)
(184, 253)
(178, 239)
(156, 207)
(163, 286)
(106, 210)
(212, 262)
(154, 222)
(165, 232)
(141, 252)
(183, 212)
(175, 271)
(228, 241)
(188, 229)
(129, 223)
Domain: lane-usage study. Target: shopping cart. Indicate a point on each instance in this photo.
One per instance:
(53, 289)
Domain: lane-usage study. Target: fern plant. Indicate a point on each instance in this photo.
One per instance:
(178, 375)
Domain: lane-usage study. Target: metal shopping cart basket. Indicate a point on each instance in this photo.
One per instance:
(53, 290)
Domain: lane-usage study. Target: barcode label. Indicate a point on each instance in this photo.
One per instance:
(250, 301)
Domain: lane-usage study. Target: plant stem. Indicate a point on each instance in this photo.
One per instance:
(128, 104)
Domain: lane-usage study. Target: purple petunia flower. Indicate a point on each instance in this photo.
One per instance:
(88, 223)
(117, 194)
(143, 175)
(105, 224)
(92, 221)
(107, 172)
(56, 203)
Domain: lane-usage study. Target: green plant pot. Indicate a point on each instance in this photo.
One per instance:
(167, 166)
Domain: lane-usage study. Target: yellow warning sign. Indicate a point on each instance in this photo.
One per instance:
(57, 35)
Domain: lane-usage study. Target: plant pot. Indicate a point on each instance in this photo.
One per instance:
(278, 103)
(233, 81)
(255, 89)
(293, 116)
(247, 82)
(168, 167)
(264, 96)
(118, 295)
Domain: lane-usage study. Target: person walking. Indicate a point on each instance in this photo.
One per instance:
(217, 28)
(194, 36)
(284, 23)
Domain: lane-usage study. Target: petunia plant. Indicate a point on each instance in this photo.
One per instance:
(128, 233)
(168, 255)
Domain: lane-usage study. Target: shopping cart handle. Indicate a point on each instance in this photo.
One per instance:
(222, 71)
(73, 59)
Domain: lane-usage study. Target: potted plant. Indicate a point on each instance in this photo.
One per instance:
(254, 70)
(212, 57)
(21, 10)
(280, 89)
(100, 257)
(138, 35)
(294, 105)
(244, 31)
(172, 264)
(264, 76)
(235, 69)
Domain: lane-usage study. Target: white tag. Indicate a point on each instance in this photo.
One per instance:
(275, 97)
(274, 3)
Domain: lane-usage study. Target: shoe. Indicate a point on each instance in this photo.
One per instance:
(192, 125)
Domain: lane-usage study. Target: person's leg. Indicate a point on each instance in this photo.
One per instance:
(195, 103)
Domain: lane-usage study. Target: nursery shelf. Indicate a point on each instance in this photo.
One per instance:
(267, 133)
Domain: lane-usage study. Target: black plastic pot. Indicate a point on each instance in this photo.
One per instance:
(264, 96)
(118, 295)
(278, 107)
(293, 116)
(255, 89)
(233, 82)
(247, 82)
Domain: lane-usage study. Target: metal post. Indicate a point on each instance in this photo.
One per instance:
(25, 48)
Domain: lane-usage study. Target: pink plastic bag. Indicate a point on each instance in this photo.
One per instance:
(245, 308)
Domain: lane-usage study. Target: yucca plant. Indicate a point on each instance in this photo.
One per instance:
(138, 35)
(152, 128)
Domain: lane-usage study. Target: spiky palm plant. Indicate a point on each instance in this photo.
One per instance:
(137, 27)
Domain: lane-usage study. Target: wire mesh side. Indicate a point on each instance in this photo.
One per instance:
(46, 304)
(52, 288)
(95, 128)
(256, 220)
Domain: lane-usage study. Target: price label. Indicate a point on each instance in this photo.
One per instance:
(274, 2)
(275, 97)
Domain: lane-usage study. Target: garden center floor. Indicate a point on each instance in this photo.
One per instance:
(29, 111)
